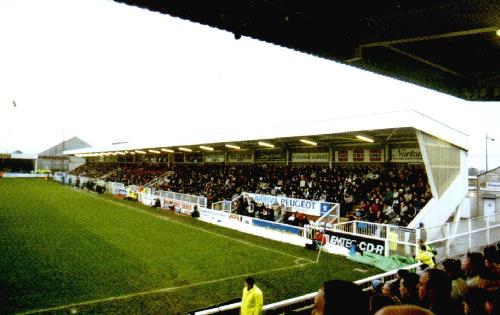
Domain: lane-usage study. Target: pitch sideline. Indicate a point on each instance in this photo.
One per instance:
(162, 290)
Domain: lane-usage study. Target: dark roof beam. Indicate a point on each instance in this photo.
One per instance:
(431, 37)
(427, 62)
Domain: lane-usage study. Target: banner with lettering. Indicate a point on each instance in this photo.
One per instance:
(406, 155)
(346, 240)
(213, 216)
(490, 186)
(376, 155)
(214, 158)
(269, 156)
(310, 157)
(240, 157)
(359, 155)
(308, 207)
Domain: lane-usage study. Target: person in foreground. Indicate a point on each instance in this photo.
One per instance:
(252, 300)
(434, 291)
(404, 310)
(334, 293)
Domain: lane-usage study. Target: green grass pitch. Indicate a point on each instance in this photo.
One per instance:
(64, 250)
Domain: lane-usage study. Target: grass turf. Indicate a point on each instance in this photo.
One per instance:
(60, 246)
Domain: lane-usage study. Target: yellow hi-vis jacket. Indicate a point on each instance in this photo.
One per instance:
(425, 257)
(393, 240)
(252, 301)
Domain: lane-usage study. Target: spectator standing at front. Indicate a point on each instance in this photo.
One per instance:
(252, 300)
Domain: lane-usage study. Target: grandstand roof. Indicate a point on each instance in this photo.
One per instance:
(446, 45)
(385, 128)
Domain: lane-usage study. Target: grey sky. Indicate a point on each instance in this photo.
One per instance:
(105, 71)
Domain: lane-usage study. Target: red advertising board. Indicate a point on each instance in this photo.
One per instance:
(375, 155)
(358, 155)
(343, 156)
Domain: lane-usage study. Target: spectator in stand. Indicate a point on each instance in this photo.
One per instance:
(291, 219)
(242, 205)
(492, 259)
(250, 209)
(434, 291)
(458, 285)
(376, 287)
(337, 295)
(475, 302)
(489, 280)
(378, 302)
(423, 233)
(276, 209)
(492, 304)
(473, 266)
(408, 290)
(390, 291)
(395, 284)
(383, 188)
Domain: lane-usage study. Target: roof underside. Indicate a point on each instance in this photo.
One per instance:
(446, 45)
(388, 128)
(381, 137)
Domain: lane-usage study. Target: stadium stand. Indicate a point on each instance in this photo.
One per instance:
(388, 193)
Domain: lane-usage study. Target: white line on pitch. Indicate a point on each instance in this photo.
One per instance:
(162, 290)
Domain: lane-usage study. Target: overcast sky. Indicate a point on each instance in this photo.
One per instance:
(105, 71)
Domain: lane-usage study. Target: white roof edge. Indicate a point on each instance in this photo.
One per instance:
(374, 121)
(23, 156)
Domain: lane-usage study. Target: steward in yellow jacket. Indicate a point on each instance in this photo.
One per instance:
(425, 256)
(252, 300)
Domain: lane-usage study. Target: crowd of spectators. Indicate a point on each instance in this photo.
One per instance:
(126, 173)
(95, 170)
(455, 287)
(384, 193)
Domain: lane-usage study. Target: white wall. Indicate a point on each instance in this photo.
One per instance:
(438, 210)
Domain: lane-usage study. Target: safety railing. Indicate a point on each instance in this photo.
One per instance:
(457, 238)
(226, 205)
(199, 200)
(331, 217)
(306, 299)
